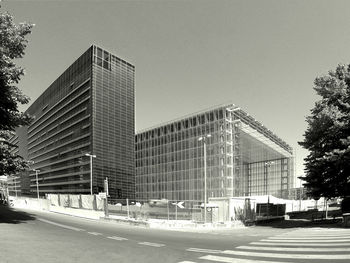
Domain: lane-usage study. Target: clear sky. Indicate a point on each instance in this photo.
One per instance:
(191, 55)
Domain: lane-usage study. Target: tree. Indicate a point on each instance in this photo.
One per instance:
(328, 137)
(12, 45)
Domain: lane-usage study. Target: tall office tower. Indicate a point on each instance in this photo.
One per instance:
(243, 158)
(89, 109)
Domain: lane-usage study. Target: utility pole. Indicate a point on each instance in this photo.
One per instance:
(266, 166)
(106, 199)
(203, 138)
(15, 186)
(91, 156)
(37, 184)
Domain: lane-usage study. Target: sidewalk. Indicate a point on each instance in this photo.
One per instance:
(304, 223)
(178, 225)
(184, 225)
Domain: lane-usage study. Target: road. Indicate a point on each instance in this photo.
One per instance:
(31, 236)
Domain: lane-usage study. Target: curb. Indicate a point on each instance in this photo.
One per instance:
(126, 221)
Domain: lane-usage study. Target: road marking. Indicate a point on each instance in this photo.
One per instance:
(151, 244)
(235, 260)
(295, 249)
(95, 233)
(305, 241)
(298, 244)
(60, 225)
(274, 255)
(317, 236)
(309, 238)
(117, 238)
(306, 233)
(202, 250)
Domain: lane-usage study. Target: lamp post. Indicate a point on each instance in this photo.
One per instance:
(37, 184)
(91, 156)
(267, 165)
(15, 186)
(203, 138)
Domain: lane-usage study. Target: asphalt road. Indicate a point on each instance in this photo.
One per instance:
(31, 236)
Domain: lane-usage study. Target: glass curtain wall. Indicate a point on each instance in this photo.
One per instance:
(59, 136)
(240, 159)
(169, 159)
(113, 124)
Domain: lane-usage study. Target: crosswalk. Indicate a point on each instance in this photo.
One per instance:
(302, 245)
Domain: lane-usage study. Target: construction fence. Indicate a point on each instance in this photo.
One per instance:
(91, 202)
(159, 209)
(215, 211)
(220, 209)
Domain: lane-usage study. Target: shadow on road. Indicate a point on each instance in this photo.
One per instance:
(293, 223)
(11, 216)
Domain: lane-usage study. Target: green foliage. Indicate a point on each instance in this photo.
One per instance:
(345, 205)
(328, 137)
(13, 43)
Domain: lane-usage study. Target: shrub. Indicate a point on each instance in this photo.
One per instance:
(345, 205)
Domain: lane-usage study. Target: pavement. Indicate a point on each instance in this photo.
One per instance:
(177, 225)
(304, 223)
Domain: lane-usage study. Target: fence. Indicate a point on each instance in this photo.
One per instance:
(91, 202)
(159, 209)
(223, 209)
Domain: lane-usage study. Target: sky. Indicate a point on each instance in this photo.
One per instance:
(262, 56)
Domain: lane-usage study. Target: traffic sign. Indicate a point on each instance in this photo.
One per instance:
(180, 204)
(102, 195)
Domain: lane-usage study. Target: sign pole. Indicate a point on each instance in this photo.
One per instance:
(127, 206)
(106, 199)
(176, 212)
(167, 204)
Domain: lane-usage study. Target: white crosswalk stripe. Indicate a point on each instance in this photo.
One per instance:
(298, 244)
(311, 238)
(235, 260)
(305, 241)
(298, 249)
(283, 255)
(303, 244)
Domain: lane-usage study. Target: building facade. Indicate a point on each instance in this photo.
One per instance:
(89, 109)
(243, 158)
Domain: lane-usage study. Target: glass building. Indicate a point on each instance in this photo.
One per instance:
(89, 109)
(243, 158)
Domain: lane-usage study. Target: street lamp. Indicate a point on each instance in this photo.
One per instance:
(91, 156)
(37, 184)
(203, 138)
(15, 186)
(267, 165)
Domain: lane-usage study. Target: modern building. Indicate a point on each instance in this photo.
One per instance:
(243, 158)
(89, 109)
